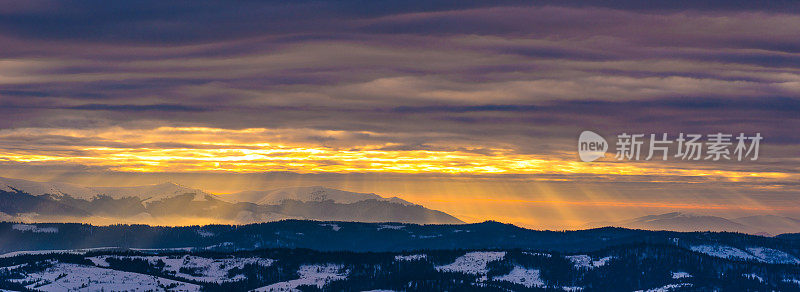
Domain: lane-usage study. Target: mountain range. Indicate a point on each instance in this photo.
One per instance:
(305, 194)
(166, 203)
(24, 200)
(766, 225)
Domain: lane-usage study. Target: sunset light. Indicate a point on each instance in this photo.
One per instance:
(317, 145)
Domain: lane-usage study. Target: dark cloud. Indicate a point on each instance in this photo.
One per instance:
(417, 75)
(138, 108)
(176, 22)
(461, 109)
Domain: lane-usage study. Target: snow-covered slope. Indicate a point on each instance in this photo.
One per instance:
(195, 268)
(526, 277)
(761, 254)
(473, 263)
(44, 202)
(306, 194)
(723, 251)
(310, 275)
(167, 190)
(585, 262)
(43, 188)
(73, 277)
(152, 192)
(58, 190)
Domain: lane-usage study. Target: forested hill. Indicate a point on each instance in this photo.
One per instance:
(352, 236)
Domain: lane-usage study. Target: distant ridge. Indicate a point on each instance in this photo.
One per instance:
(57, 190)
(24, 200)
(766, 225)
(306, 194)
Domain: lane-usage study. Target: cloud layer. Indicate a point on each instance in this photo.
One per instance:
(454, 87)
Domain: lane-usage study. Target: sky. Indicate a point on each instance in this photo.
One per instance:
(469, 107)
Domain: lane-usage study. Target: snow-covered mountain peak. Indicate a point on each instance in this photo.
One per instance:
(58, 190)
(307, 194)
(170, 200)
(55, 189)
(153, 192)
(156, 192)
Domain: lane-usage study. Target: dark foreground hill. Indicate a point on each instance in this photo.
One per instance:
(296, 255)
(362, 237)
(634, 267)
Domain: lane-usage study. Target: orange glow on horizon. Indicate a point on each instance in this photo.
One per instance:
(622, 204)
(197, 149)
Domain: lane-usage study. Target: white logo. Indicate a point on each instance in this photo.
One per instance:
(716, 147)
(591, 146)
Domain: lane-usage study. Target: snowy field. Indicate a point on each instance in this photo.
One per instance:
(586, 262)
(772, 256)
(73, 277)
(526, 277)
(34, 228)
(473, 263)
(204, 269)
(667, 288)
(115, 269)
(311, 275)
(761, 254)
(680, 275)
(54, 251)
(408, 258)
(722, 251)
